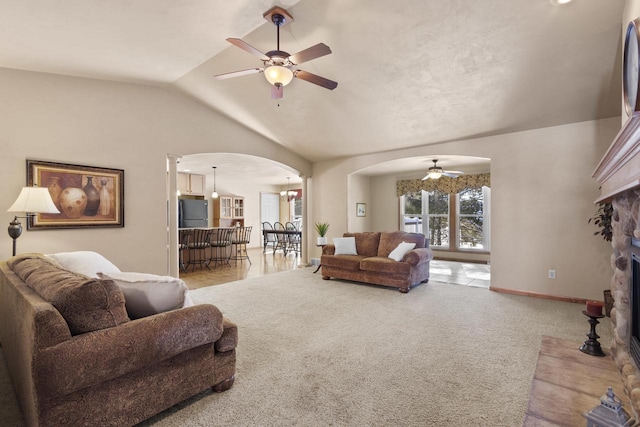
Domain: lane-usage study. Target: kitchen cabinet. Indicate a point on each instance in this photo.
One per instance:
(190, 184)
(228, 211)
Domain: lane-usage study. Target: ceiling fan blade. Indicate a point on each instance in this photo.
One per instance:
(277, 92)
(315, 79)
(247, 47)
(238, 73)
(308, 54)
(452, 174)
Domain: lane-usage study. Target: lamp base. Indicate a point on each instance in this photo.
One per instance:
(15, 230)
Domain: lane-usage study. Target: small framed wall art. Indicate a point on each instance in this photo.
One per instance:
(361, 209)
(86, 196)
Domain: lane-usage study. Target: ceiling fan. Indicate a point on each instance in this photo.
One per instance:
(280, 67)
(435, 172)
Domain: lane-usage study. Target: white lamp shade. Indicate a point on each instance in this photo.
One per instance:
(34, 200)
(435, 175)
(214, 195)
(277, 74)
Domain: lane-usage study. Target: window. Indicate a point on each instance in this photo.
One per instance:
(472, 228)
(434, 222)
(464, 218)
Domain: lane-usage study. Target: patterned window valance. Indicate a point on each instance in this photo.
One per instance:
(444, 184)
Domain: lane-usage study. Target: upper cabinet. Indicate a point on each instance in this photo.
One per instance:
(191, 184)
(228, 211)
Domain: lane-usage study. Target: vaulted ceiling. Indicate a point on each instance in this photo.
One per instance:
(409, 72)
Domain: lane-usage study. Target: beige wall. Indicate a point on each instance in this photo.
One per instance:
(542, 187)
(359, 191)
(115, 125)
(542, 197)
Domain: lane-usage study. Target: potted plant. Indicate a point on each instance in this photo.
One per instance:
(322, 228)
(602, 219)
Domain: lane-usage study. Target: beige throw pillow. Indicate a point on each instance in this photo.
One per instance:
(399, 252)
(87, 263)
(148, 294)
(345, 246)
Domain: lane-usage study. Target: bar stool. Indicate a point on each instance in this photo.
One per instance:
(198, 245)
(220, 242)
(240, 239)
(183, 244)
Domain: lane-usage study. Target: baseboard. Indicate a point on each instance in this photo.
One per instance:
(538, 295)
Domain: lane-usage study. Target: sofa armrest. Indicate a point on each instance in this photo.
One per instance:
(329, 250)
(418, 256)
(92, 358)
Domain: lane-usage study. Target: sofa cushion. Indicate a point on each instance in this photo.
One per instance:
(390, 240)
(366, 242)
(148, 294)
(346, 262)
(86, 304)
(83, 262)
(384, 265)
(345, 246)
(398, 253)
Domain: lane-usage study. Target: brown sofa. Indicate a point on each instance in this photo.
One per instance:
(76, 359)
(372, 263)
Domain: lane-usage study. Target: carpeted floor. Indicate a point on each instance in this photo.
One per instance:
(315, 352)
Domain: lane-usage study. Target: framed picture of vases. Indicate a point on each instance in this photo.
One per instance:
(86, 196)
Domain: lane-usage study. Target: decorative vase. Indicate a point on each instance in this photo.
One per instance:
(73, 201)
(322, 241)
(55, 190)
(105, 198)
(93, 198)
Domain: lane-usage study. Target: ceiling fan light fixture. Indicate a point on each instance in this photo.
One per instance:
(434, 174)
(278, 75)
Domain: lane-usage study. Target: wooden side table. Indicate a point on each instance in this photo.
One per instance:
(319, 265)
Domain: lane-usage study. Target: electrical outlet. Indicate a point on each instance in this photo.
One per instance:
(552, 274)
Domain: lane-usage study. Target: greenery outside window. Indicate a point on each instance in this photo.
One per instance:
(472, 227)
(463, 218)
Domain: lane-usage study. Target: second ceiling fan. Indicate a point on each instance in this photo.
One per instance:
(280, 67)
(435, 172)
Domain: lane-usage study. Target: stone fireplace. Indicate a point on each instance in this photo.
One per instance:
(619, 177)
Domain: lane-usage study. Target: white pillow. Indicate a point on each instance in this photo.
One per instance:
(345, 245)
(398, 253)
(87, 263)
(148, 294)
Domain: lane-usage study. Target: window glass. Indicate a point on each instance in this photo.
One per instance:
(438, 219)
(472, 230)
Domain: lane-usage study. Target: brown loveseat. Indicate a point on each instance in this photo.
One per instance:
(76, 359)
(372, 263)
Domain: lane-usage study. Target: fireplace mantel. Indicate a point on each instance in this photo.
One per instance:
(619, 169)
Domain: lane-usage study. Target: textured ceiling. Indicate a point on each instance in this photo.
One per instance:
(410, 72)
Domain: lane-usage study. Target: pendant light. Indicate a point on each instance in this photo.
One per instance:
(214, 195)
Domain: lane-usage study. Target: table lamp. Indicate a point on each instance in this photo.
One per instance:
(31, 201)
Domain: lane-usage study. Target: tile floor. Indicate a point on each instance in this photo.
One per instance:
(460, 273)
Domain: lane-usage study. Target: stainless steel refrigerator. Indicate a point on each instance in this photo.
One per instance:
(193, 213)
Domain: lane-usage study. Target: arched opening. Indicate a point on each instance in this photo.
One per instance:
(241, 179)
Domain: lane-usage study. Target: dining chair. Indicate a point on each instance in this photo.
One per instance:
(282, 239)
(293, 240)
(268, 238)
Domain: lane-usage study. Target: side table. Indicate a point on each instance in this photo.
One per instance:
(319, 265)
